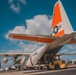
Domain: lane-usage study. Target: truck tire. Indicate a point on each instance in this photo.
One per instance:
(40, 68)
(48, 68)
(57, 67)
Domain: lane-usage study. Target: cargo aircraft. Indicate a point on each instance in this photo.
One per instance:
(61, 33)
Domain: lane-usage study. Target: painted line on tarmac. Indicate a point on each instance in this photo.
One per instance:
(31, 71)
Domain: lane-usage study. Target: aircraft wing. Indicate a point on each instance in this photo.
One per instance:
(43, 38)
(15, 54)
(65, 54)
(37, 38)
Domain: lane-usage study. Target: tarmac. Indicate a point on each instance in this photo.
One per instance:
(69, 71)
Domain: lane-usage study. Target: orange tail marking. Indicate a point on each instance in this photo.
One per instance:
(60, 33)
(57, 16)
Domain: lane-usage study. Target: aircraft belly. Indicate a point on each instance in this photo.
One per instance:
(56, 44)
(60, 42)
(53, 50)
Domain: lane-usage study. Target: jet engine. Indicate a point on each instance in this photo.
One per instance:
(5, 60)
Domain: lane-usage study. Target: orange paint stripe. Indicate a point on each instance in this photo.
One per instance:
(61, 33)
(57, 15)
(31, 38)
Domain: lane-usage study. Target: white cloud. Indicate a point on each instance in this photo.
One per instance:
(68, 49)
(40, 25)
(16, 5)
(10, 1)
(17, 29)
(26, 48)
(23, 1)
(15, 8)
(72, 47)
(64, 51)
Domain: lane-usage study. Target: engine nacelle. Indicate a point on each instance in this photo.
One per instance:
(5, 60)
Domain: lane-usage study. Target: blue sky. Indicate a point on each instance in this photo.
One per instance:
(23, 16)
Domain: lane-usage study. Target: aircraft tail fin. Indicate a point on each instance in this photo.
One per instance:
(60, 22)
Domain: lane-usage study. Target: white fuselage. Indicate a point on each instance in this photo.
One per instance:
(35, 56)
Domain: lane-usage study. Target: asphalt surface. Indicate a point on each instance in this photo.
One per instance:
(70, 71)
